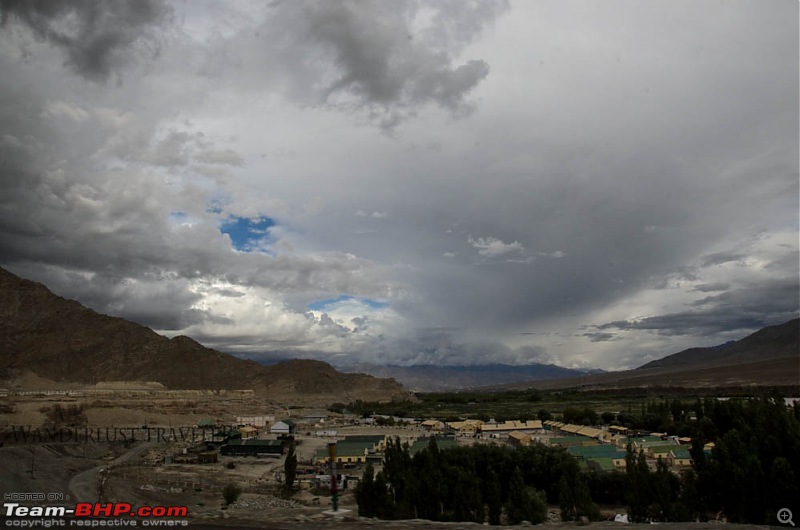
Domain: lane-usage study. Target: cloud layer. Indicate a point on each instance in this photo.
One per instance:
(408, 182)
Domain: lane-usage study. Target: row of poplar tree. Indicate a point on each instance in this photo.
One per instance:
(751, 473)
(476, 483)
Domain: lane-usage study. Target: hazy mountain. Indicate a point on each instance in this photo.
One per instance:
(64, 342)
(432, 378)
(769, 357)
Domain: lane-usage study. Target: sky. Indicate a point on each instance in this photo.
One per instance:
(591, 184)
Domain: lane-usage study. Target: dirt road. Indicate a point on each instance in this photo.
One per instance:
(84, 485)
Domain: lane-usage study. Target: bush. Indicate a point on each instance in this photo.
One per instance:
(58, 416)
(231, 492)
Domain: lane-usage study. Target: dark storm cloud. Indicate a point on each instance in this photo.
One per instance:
(372, 58)
(711, 287)
(719, 258)
(640, 162)
(61, 208)
(599, 337)
(384, 62)
(749, 308)
(96, 37)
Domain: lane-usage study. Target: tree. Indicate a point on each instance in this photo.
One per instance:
(389, 421)
(783, 484)
(639, 491)
(589, 416)
(467, 500)
(607, 417)
(231, 492)
(583, 500)
(290, 470)
(585, 416)
(566, 500)
(384, 507)
(571, 415)
(665, 487)
(575, 499)
(691, 505)
(397, 471)
(463, 484)
(431, 488)
(338, 408)
(524, 503)
(69, 416)
(365, 493)
(493, 496)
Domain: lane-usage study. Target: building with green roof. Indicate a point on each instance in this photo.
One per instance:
(442, 442)
(596, 451)
(347, 452)
(602, 464)
(254, 446)
(570, 441)
(599, 457)
(375, 442)
(681, 458)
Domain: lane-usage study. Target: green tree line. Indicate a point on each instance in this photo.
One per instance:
(751, 473)
(475, 483)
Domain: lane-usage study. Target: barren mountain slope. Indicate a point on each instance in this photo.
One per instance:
(65, 342)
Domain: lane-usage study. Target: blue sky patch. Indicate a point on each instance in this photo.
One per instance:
(178, 217)
(329, 303)
(245, 232)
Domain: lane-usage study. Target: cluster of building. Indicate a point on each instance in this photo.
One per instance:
(597, 448)
(356, 450)
(606, 449)
(353, 450)
(247, 437)
(594, 447)
(483, 429)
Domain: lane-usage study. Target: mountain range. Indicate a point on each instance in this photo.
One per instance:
(436, 378)
(60, 342)
(773, 342)
(768, 357)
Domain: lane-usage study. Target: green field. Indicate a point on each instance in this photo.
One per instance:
(533, 404)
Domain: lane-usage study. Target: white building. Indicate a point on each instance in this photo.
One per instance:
(283, 427)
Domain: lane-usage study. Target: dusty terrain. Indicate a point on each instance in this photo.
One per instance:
(260, 507)
(140, 472)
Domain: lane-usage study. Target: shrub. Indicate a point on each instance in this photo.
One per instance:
(231, 492)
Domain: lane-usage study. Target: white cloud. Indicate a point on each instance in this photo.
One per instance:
(373, 215)
(492, 247)
(57, 109)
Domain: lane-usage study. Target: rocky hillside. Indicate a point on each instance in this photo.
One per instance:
(772, 342)
(64, 342)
